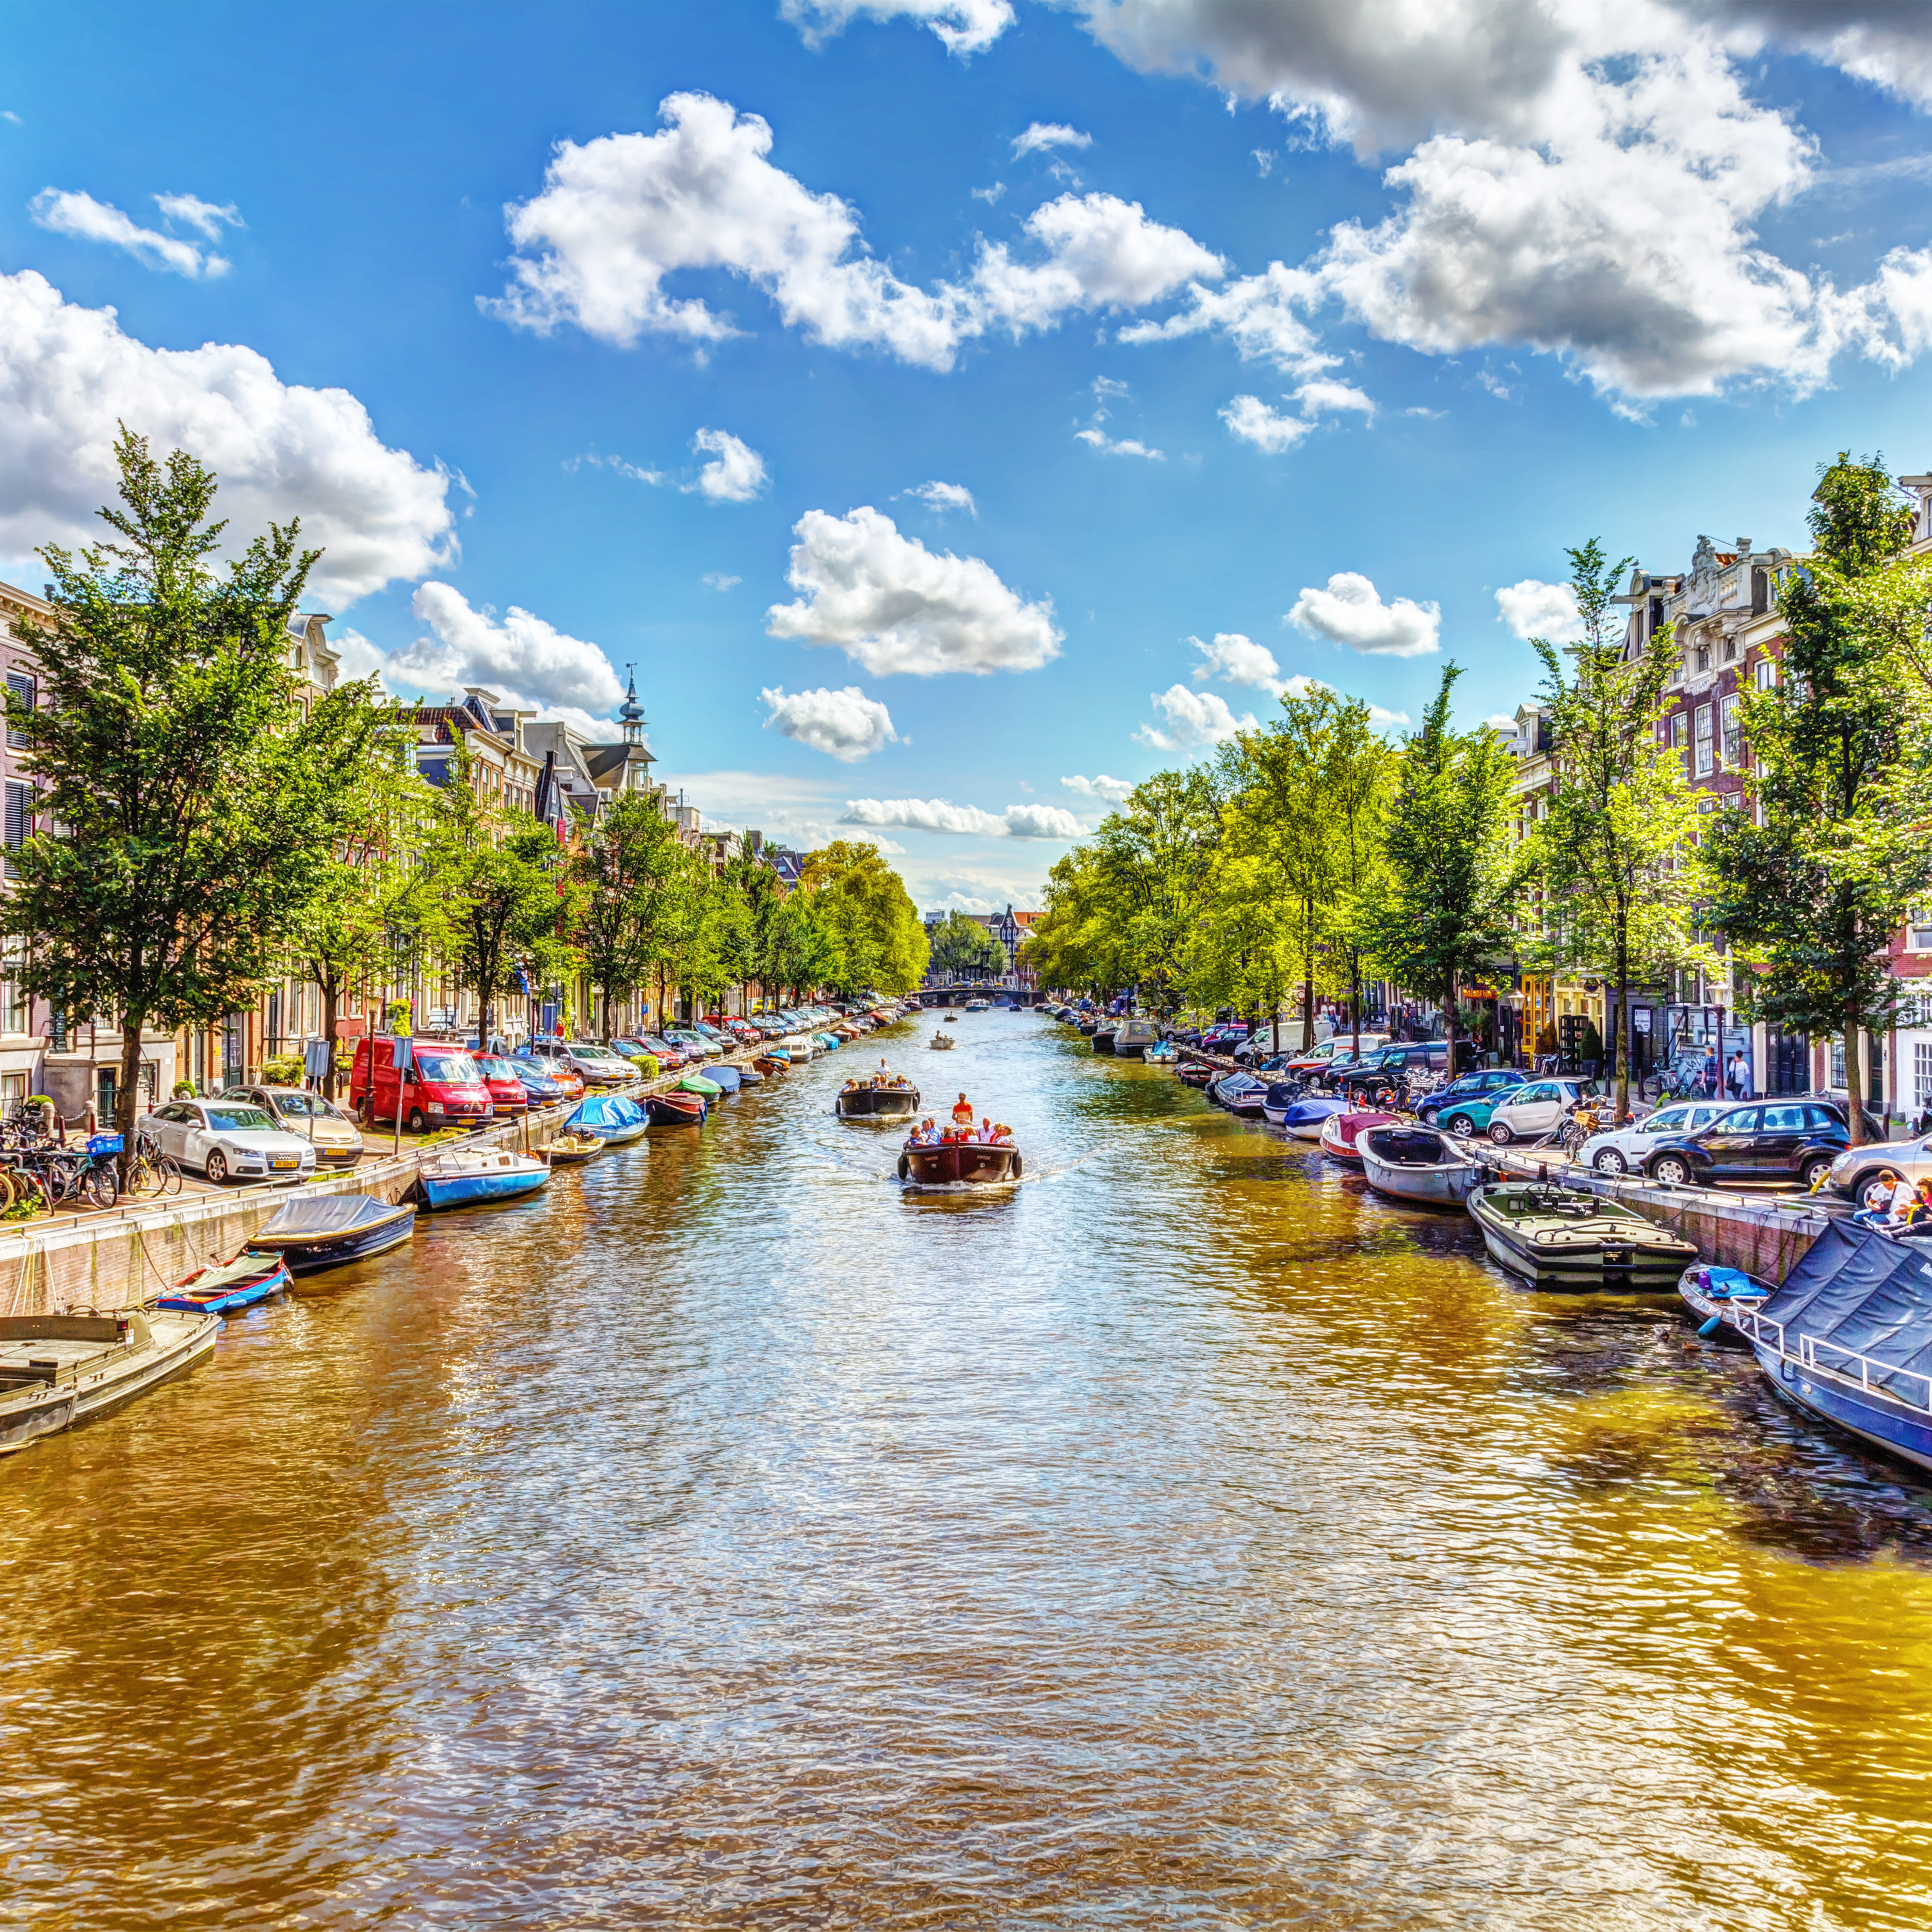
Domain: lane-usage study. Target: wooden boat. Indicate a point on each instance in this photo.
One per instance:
(1415, 1163)
(1305, 1119)
(1556, 1237)
(1339, 1132)
(473, 1177)
(58, 1371)
(940, 1042)
(330, 1230)
(1197, 1073)
(571, 1150)
(701, 1085)
(869, 1102)
(227, 1287)
(769, 1063)
(959, 1161)
(675, 1110)
(1707, 1292)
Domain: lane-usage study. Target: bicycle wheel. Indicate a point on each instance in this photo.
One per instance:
(98, 1184)
(170, 1168)
(145, 1178)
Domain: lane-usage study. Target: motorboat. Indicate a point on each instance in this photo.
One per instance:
(1559, 1238)
(978, 1005)
(748, 1076)
(227, 1287)
(770, 1063)
(330, 1230)
(1306, 1118)
(571, 1149)
(878, 1098)
(1281, 1095)
(976, 1161)
(1339, 1133)
(1132, 1038)
(800, 1046)
(58, 1371)
(1164, 1050)
(472, 1176)
(1197, 1073)
(703, 1085)
(940, 1042)
(675, 1110)
(1409, 1162)
(726, 1079)
(1104, 1037)
(612, 1118)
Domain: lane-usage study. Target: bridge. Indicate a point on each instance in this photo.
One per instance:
(991, 989)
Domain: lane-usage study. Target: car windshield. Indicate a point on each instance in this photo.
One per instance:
(448, 1070)
(302, 1105)
(530, 1069)
(494, 1068)
(237, 1120)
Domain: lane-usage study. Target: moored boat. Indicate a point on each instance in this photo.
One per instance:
(1104, 1037)
(1340, 1132)
(472, 1177)
(1408, 1162)
(1163, 1050)
(613, 1119)
(675, 1110)
(1556, 1237)
(331, 1230)
(1706, 1291)
(1306, 1118)
(58, 1371)
(959, 1161)
(1134, 1038)
(1240, 1094)
(571, 1149)
(227, 1287)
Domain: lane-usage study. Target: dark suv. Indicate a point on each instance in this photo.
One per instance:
(1393, 1067)
(1767, 1141)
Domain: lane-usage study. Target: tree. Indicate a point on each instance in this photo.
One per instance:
(1617, 850)
(1818, 889)
(632, 875)
(881, 942)
(1153, 861)
(191, 806)
(1356, 777)
(1443, 913)
(963, 947)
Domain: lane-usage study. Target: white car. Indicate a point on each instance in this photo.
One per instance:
(1534, 1109)
(1624, 1148)
(228, 1140)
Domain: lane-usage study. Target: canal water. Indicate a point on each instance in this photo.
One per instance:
(1181, 1538)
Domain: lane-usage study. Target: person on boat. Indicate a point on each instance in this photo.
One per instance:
(963, 1115)
(1003, 1136)
(1887, 1200)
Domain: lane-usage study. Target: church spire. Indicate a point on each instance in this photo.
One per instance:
(632, 712)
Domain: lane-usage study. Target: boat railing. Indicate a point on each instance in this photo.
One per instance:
(1830, 1361)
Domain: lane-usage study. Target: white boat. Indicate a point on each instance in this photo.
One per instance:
(801, 1046)
(58, 1371)
(940, 1042)
(978, 1005)
(1416, 1163)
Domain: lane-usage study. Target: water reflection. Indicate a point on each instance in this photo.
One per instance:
(1181, 1536)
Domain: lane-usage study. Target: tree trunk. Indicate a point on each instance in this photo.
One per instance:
(606, 1010)
(1449, 1030)
(332, 1000)
(1854, 1079)
(1308, 1005)
(1620, 1047)
(1355, 1004)
(127, 1094)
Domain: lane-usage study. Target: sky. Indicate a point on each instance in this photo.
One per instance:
(953, 411)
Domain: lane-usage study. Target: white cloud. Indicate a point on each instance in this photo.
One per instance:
(1351, 611)
(521, 657)
(209, 218)
(936, 814)
(68, 375)
(1534, 609)
(892, 605)
(990, 196)
(656, 478)
(1098, 438)
(70, 212)
(789, 808)
(1049, 134)
(956, 901)
(721, 581)
(1270, 432)
(1235, 659)
(1115, 791)
(1320, 396)
(846, 725)
(1261, 315)
(1194, 718)
(736, 471)
(940, 497)
(966, 27)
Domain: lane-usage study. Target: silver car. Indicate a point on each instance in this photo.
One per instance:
(1623, 1148)
(228, 1140)
(1857, 1168)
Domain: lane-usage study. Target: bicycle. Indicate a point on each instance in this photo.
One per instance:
(151, 1174)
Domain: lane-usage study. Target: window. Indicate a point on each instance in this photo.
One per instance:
(20, 688)
(12, 995)
(1767, 673)
(1705, 715)
(1838, 1062)
(1730, 648)
(1921, 1076)
(1784, 1120)
(1918, 936)
(1680, 729)
(1732, 731)
(1821, 1119)
(1745, 1121)
(12, 1089)
(1703, 657)
(19, 823)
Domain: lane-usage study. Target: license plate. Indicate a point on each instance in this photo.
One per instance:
(284, 1163)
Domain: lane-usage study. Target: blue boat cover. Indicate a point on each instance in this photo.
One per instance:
(726, 1077)
(607, 1110)
(1858, 1289)
(1305, 1113)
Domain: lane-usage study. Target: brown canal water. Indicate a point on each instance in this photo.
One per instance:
(1181, 1538)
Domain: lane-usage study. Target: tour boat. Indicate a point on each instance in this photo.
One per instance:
(472, 1176)
(327, 1231)
(1304, 1119)
(571, 1149)
(58, 1371)
(613, 1119)
(959, 1161)
(1415, 1163)
(1556, 1237)
(675, 1110)
(227, 1287)
(1339, 1132)
(868, 1102)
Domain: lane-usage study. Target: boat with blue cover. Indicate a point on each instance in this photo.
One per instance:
(475, 1177)
(613, 1119)
(1303, 1118)
(1241, 1093)
(728, 1079)
(329, 1230)
(227, 1287)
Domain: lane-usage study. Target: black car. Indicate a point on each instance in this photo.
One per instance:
(1392, 1067)
(1767, 1141)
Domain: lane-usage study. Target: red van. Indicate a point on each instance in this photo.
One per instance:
(442, 1086)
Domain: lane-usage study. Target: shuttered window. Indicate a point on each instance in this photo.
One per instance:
(19, 822)
(20, 688)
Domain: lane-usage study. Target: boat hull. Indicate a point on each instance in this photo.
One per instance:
(478, 1190)
(968, 1161)
(878, 1103)
(104, 1381)
(1874, 1420)
(228, 1288)
(1623, 1256)
(674, 1110)
(310, 1254)
(1449, 1186)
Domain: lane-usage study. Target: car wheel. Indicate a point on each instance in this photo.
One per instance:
(1501, 1135)
(1461, 1124)
(1609, 1161)
(1671, 1170)
(216, 1168)
(1816, 1170)
(417, 1124)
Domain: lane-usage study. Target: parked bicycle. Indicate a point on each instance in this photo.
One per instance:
(151, 1173)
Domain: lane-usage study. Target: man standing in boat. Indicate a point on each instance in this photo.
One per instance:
(962, 1114)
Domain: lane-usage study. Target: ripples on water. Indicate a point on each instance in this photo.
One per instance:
(1183, 1538)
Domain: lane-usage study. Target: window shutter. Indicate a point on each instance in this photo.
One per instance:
(21, 688)
(19, 821)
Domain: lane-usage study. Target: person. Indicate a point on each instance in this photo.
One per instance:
(1882, 1199)
(1003, 1136)
(986, 1130)
(962, 1113)
(1739, 1082)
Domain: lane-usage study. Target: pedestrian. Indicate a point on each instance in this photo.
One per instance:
(1738, 1083)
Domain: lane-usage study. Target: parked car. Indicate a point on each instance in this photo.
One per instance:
(334, 1136)
(441, 1087)
(508, 1093)
(1622, 1148)
(594, 1066)
(1329, 1052)
(1856, 1168)
(1397, 1066)
(1532, 1110)
(228, 1140)
(1488, 1083)
(544, 1081)
(1761, 1141)
(1471, 1114)
(693, 1043)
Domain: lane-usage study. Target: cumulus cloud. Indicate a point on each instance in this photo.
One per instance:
(1350, 611)
(67, 211)
(1115, 791)
(520, 656)
(1534, 609)
(1193, 718)
(736, 471)
(207, 217)
(1270, 432)
(846, 725)
(1130, 445)
(1049, 134)
(1262, 316)
(966, 27)
(1235, 659)
(936, 814)
(719, 580)
(893, 605)
(940, 497)
(1326, 397)
(70, 376)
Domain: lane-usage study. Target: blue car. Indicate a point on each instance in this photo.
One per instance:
(537, 1080)
(1488, 1085)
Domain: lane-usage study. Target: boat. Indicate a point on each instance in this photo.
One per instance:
(58, 1371)
(800, 1046)
(1134, 1039)
(749, 1076)
(328, 1230)
(1240, 1094)
(571, 1149)
(940, 1042)
(472, 1176)
(612, 1118)
(769, 1063)
(1705, 1291)
(867, 1100)
(227, 1287)
(1103, 1038)
(1305, 1119)
(1409, 1162)
(1847, 1337)
(726, 1079)
(675, 1110)
(978, 1005)
(959, 1161)
(1197, 1073)
(1163, 1050)
(1339, 1132)
(1558, 1237)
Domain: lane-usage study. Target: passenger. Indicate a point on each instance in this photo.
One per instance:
(1878, 1198)
(962, 1113)
(986, 1131)
(1003, 1136)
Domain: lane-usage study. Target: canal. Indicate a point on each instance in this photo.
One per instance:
(1181, 1538)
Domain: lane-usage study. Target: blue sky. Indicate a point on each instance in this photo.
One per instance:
(573, 365)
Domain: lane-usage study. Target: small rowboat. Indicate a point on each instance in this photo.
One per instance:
(1413, 1163)
(1339, 1133)
(57, 1371)
(769, 1063)
(570, 1150)
(612, 1118)
(225, 1288)
(1556, 1237)
(707, 1089)
(675, 1110)
(941, 1043)
(1710, 1292)
(475, 1177)
(331, 1230)
(959, 1161)
(877, 1103)
(1197, 1073)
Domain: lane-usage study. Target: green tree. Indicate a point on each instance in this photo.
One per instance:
(633, 875)
(1357, 775)
(1616, 852)
(1815, 893)
(864, 904)
(1152, 863)
(191, 806)
(962, 946)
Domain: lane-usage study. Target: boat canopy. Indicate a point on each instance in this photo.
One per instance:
(607, 1110)
(329, 1214)
(1860, 1293)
